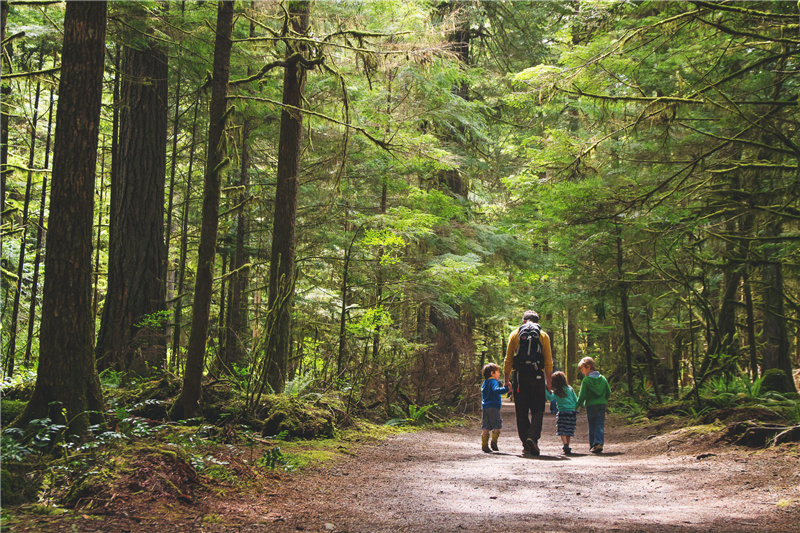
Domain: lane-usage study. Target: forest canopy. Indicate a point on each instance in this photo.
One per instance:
(364, 197)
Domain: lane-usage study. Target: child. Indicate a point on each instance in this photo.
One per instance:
(594, 393)
(491, 392)
(567, 416)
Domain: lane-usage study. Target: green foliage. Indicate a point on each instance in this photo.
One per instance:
(295, 417)
(273, 459)
(154, 320)
(417, 416)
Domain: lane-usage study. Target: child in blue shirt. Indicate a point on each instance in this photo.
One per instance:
(567, 402)
(491, 393)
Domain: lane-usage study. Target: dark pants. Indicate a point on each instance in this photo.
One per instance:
(529, 403)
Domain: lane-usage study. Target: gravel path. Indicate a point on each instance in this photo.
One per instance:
(440, 481)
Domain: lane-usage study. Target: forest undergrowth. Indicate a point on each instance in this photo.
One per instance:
(142, 464)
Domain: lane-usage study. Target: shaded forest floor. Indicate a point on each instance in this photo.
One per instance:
(651, 478)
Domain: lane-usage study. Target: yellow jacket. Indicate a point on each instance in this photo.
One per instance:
(513, 344)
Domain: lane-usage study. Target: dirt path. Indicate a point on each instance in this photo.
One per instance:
(441, 481)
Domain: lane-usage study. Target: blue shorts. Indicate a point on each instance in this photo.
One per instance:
(491, 418)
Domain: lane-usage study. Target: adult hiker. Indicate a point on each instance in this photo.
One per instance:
(529, 362)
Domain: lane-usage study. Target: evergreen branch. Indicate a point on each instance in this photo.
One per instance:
(747, 142)
(238, 206)
(672, 99)
(377, 142)
(743, 11)
(293, 59)
(12, 37)
(34, 2)
(760, 166)
(739, 33)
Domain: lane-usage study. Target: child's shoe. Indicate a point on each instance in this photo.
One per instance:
(494, 446)
(597, 448)
(486, 449)
(567, 449)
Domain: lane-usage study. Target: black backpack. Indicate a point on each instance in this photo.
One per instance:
(529, 358)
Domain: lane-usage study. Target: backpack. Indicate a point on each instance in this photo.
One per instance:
(529, 358)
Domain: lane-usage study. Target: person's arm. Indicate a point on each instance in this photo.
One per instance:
(508, 364)
(581, 396)
(572, 396)
(548, 358)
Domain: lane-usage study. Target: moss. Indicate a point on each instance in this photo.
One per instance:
(776, 380)
(20, 483)
(11, 409)
(295, 418)
(147, 399)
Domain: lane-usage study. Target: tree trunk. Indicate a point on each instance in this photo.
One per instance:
(281, 272)
(14, 326)
(187, 197)
(136, 263)
(623, 296)
(775, 350)
(571, 362)
(67, 377)
(5, 92)
(39, 235)
(188, 402)
(169, 269)
(237, 310)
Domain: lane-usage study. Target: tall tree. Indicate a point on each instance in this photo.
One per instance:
(188, 402)
(282, 264)
(136, 266)
(67, 386)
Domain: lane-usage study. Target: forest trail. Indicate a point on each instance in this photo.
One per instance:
(439, 480)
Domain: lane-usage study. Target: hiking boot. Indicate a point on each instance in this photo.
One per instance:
(494, 446)
(597, 448)
(532, 447)
(486, 449)
(567, 449)
(526, 447)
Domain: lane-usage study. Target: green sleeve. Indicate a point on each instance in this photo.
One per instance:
(581, 396)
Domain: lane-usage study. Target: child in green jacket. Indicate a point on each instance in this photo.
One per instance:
(594, 394)
(567, 416)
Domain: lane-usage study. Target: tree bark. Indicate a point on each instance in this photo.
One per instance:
(775, 352)
(571, 362)
(623, 289)
(189, 400)
(67, 386)
(136, 266)
(282, 265)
